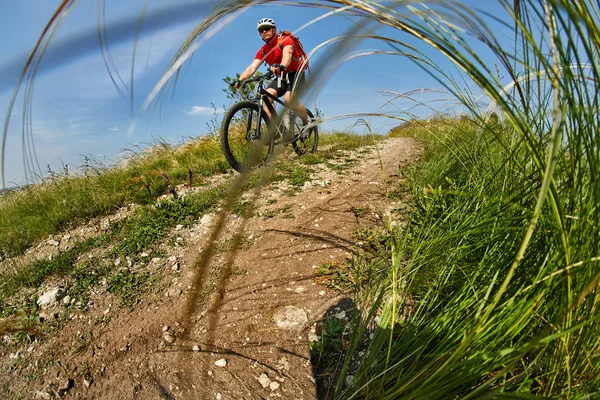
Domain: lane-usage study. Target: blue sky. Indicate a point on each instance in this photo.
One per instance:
(77, 111)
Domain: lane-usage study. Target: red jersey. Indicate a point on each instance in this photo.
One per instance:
(272, 52)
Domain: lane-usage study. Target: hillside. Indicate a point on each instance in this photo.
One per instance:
(178, 322)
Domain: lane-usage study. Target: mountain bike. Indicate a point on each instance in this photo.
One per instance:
(248, 135)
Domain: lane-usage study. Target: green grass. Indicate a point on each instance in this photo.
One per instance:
(31, 214)
(444, 328)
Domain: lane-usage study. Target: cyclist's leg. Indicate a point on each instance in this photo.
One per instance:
(268, 107)
(295, 82)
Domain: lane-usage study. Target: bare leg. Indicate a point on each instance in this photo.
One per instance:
(270, 100)
(298, 107)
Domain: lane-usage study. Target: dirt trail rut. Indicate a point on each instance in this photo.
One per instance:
(248, 340)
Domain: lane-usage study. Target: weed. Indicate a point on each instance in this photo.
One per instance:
(334, 276)
(284, 210)
(242, 208)
(130, 287)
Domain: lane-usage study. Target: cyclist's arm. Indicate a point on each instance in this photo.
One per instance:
(286, 59)
(250, 70)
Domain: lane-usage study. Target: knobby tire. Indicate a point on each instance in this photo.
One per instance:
(236, 148)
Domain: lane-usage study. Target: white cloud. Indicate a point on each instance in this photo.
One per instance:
(114, 129)
(202, 110)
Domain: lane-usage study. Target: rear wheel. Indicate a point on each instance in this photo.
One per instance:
(244, 139)
(308, 145)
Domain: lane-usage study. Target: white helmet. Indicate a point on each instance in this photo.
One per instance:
(265, 22)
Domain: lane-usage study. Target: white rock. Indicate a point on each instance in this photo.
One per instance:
(42, 395)
(67, 300)
(341, 315)
(175, 266)
(264, 380)
(290, 317)
(53, 242)
(274, 385)
(179, 227)
(169, 338)
(221, 362)
(349, 379)
(206, 219)
(218, 396)
(50, 297)
(196, 348)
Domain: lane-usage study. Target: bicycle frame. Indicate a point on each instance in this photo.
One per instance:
(260, 97)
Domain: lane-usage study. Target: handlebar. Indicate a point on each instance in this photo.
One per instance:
(267, 76)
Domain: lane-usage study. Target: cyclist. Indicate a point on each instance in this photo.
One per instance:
(285, 59)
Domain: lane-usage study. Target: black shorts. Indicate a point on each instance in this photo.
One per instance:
(287, 82)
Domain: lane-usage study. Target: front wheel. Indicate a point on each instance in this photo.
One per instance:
(308, 145)
(245, 140)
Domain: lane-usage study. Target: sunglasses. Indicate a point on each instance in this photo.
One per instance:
(262, 30)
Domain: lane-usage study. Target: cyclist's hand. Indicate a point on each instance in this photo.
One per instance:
(277, 69)
(235, 84)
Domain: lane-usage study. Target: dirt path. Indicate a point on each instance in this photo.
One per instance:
(248, 339)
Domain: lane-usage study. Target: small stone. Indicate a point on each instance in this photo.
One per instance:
(284, 364)
(42, 394)
(206, 219)
(179, 227)
(196, 348)
(221, 362)
(50, 297)
(165, 328)
(87, 382)
(66, 385)
(175, 266)
(264, 380)
(218, 396)
(169, 338)
(349, 379)
(53, 242)
(174, 292)
(341, 315)
(274, 385)
(67, 300)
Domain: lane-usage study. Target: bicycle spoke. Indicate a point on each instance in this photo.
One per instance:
(243, 137)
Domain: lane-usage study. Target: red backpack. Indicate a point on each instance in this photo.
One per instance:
(301, 57)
